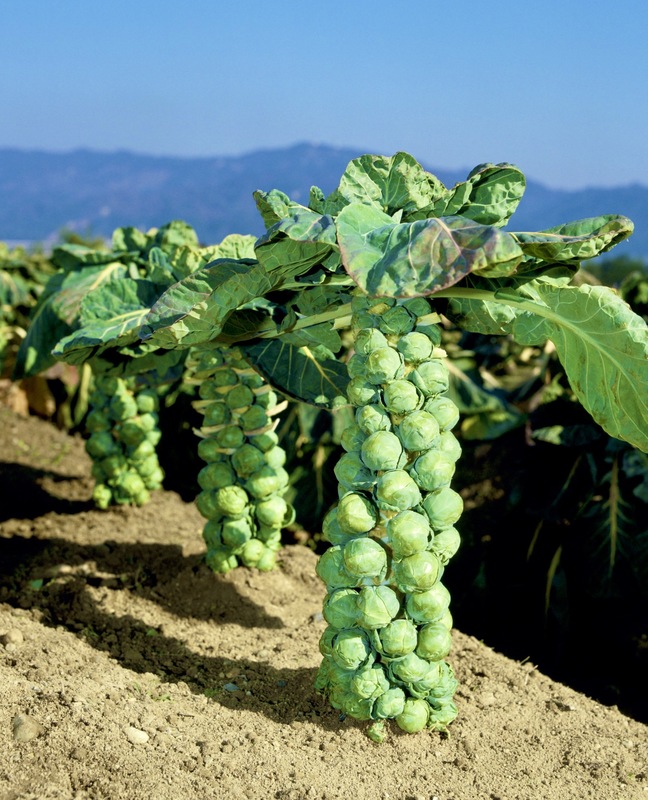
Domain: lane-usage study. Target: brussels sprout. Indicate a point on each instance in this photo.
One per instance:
(331, 531)
(148, 422)
(114, 464)
(396, 491)
(432, 470)
(154, 479)
(265, 400)
(444, 410)
(331, 569)
(390, 704)
(418, 431)
(434, 642)
(365, 558)
(153, 437)
(267, 561)
(398, 638)
(274, 512)
(147, 401)
(356, 514)
(418, 572)
(409, 668)
(414, 717)
(108, 385)
(271, 537)
(368, 340)
(240, 396)
(212, 534)
(247, 460)
(360, 392)
(370, 419)
(251, 552)
(381, 451)
(230, 437)
(216, 413)
(383, 364)
(98, 421)
(400, 397)
(370, 682)
(446, 543)
(445, 687)
(232, 501)
(341, 608)
(417, 306)
(414, 347)
(356, 366)
(426, 684)
(352, 438)
(101, 444)
(235, 532)
(428, 606)
(142, 452)
(445, 619)
(441, 715)
(266, 481)
(130, 432)
(448, 444)
(254, 419)
(431, 377)
(215, 476)
(408, 533)
(326, 640)
(102, 495)
(265, 441)
(123, 406)
(225, 377)
(351, 649)
(443, 508)
(275, 457)
(352, 473)
(376, 606)
(255, 381)
(220, 560)
(209, 450)
(397, 321)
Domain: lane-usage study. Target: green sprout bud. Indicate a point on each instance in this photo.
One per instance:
(207, 505)
(428, 606)
(431, 377)
(212, 534)
(251, 552)
(209, 450)
(414, 717)
(448, 444)
(410, 668)
(147, 401)
(370, 682)
(397, 321)
(408, 533)
(356, 366)
(275, 457)
(208, 391)
(266, 400)
(153, 480)
(331, 569)
(372, 418)
(240, 396)
(351, 648)
(356, 514)
(341, 608)
(390, 704)
(235, 533)
(123, 406)
(418, 572)
(220, 560)
(225, 377)
(368, 340)
(142, 452)
(232, 501)
(377, 606)
(383, 364)
(98, 421)
(397, 491)
(398, 638)
(443, 508)
(148, 422)
(414, 347)
(114, 464)
(360, 392)
(417, 306)
(268, 560)
(434, 642)
(432, 471)
(230, 438)
(441, 715)
(247, 460)
(365, 558)
(331, 530)
(352, 438)
(400, 397)
(274, 512)
(382, 451)
(446, 543)
(267, 481)
(216, 414)
(265, 441)
(326, 640)
(253, 419)
(108, 385)
(216, 476)
(418, 431)
(101, 444)
(130, 432)
(445, 411)
(102, 496)
(352, 473)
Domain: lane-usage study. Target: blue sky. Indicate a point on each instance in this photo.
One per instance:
(558, 88)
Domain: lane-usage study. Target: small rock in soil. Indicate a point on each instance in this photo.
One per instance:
(135, 735)
(12, 639)
(26, 728)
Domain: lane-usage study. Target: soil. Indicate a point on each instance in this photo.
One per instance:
(129, 670)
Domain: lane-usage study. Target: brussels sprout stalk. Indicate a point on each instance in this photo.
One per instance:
(392, 531)
(244, 479)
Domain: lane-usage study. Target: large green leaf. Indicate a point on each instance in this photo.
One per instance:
(601, 342)
(110, 317)
(75, 256)
(419, 258)
(489, 195)
(194, 310)
(296, 243)
(295, 370)
(575, 241)
(275, 206)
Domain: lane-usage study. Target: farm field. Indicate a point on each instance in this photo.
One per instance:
(129, 670)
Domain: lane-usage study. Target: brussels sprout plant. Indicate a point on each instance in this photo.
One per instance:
(339, 304)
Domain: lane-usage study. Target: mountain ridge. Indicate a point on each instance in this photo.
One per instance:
(94, 192)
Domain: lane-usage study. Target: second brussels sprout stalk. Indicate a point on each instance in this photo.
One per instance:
(123, 427)
(392, 531)
(244, 480)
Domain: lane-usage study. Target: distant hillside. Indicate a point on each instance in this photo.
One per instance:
(94, 192)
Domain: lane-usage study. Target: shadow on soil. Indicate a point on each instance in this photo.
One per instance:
(22, 490)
